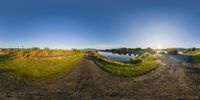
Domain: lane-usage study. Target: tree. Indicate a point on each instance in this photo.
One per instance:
(172, 52)
(75, 51)
(193, 49)
(46, 51)
(34, 51)
(21, 53)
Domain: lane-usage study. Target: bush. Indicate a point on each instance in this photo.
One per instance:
(136, 60)
(193, 49)
(173, 52)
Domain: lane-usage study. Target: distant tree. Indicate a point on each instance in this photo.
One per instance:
(21, 53)
(172, 52)
(76, 51)
(35, 51)
(46, 48)
(35, 48)
(7, 51)
(193, 49)
(46, 51)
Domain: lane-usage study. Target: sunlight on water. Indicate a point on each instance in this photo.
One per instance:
(117, 57)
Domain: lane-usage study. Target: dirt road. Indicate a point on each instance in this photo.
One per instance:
(170, 81)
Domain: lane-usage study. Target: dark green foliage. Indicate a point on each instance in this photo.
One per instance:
(35, 48)
(125, 50)
(193, 49)
(172, 52)
(136, 60)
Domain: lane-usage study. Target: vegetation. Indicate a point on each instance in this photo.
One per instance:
(148, 64)
(195, 55)
(196, 60)
(3, 53)
(172, 52)
(136, 60)
(192, 51)
(38, 63)
(46, 52)
(125, 50)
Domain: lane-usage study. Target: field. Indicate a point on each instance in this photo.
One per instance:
(149, 63)
(34, 69)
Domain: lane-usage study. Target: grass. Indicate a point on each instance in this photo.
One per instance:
(2, 53)
(198, 51)
(149, 63)
(36, 69)
(197, 60)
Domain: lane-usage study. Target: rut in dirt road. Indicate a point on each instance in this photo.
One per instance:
(170, 81)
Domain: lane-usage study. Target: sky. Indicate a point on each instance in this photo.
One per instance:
(99, 24)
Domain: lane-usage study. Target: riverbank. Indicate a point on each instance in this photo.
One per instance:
(196, 60)
(148, 64)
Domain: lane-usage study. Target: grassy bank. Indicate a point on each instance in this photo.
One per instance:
(196, 59)
(149, 63)
(31, 68)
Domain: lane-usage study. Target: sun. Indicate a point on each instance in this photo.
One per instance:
(158, 46)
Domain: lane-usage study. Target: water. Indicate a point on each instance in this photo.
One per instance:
(178, 58)
(117, 57)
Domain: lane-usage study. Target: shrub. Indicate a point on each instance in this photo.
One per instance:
(173, 52)
(75, 51)
(46, 51)
(136, 60)
(193, 49)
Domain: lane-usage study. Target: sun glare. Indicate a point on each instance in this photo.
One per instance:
(158, 47)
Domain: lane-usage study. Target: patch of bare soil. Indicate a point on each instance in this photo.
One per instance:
(170, 81)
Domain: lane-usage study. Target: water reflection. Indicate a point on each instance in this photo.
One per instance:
(118, 57)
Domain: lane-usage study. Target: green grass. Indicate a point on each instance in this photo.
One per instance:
(149, 63)
(197, 59)
(36, 69)
(2, 53)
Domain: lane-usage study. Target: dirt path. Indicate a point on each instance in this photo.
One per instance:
(170, 81)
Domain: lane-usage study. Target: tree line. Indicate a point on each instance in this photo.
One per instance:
(124, 50)
(37, 52)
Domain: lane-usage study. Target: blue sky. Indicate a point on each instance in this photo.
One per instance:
(99, 23)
